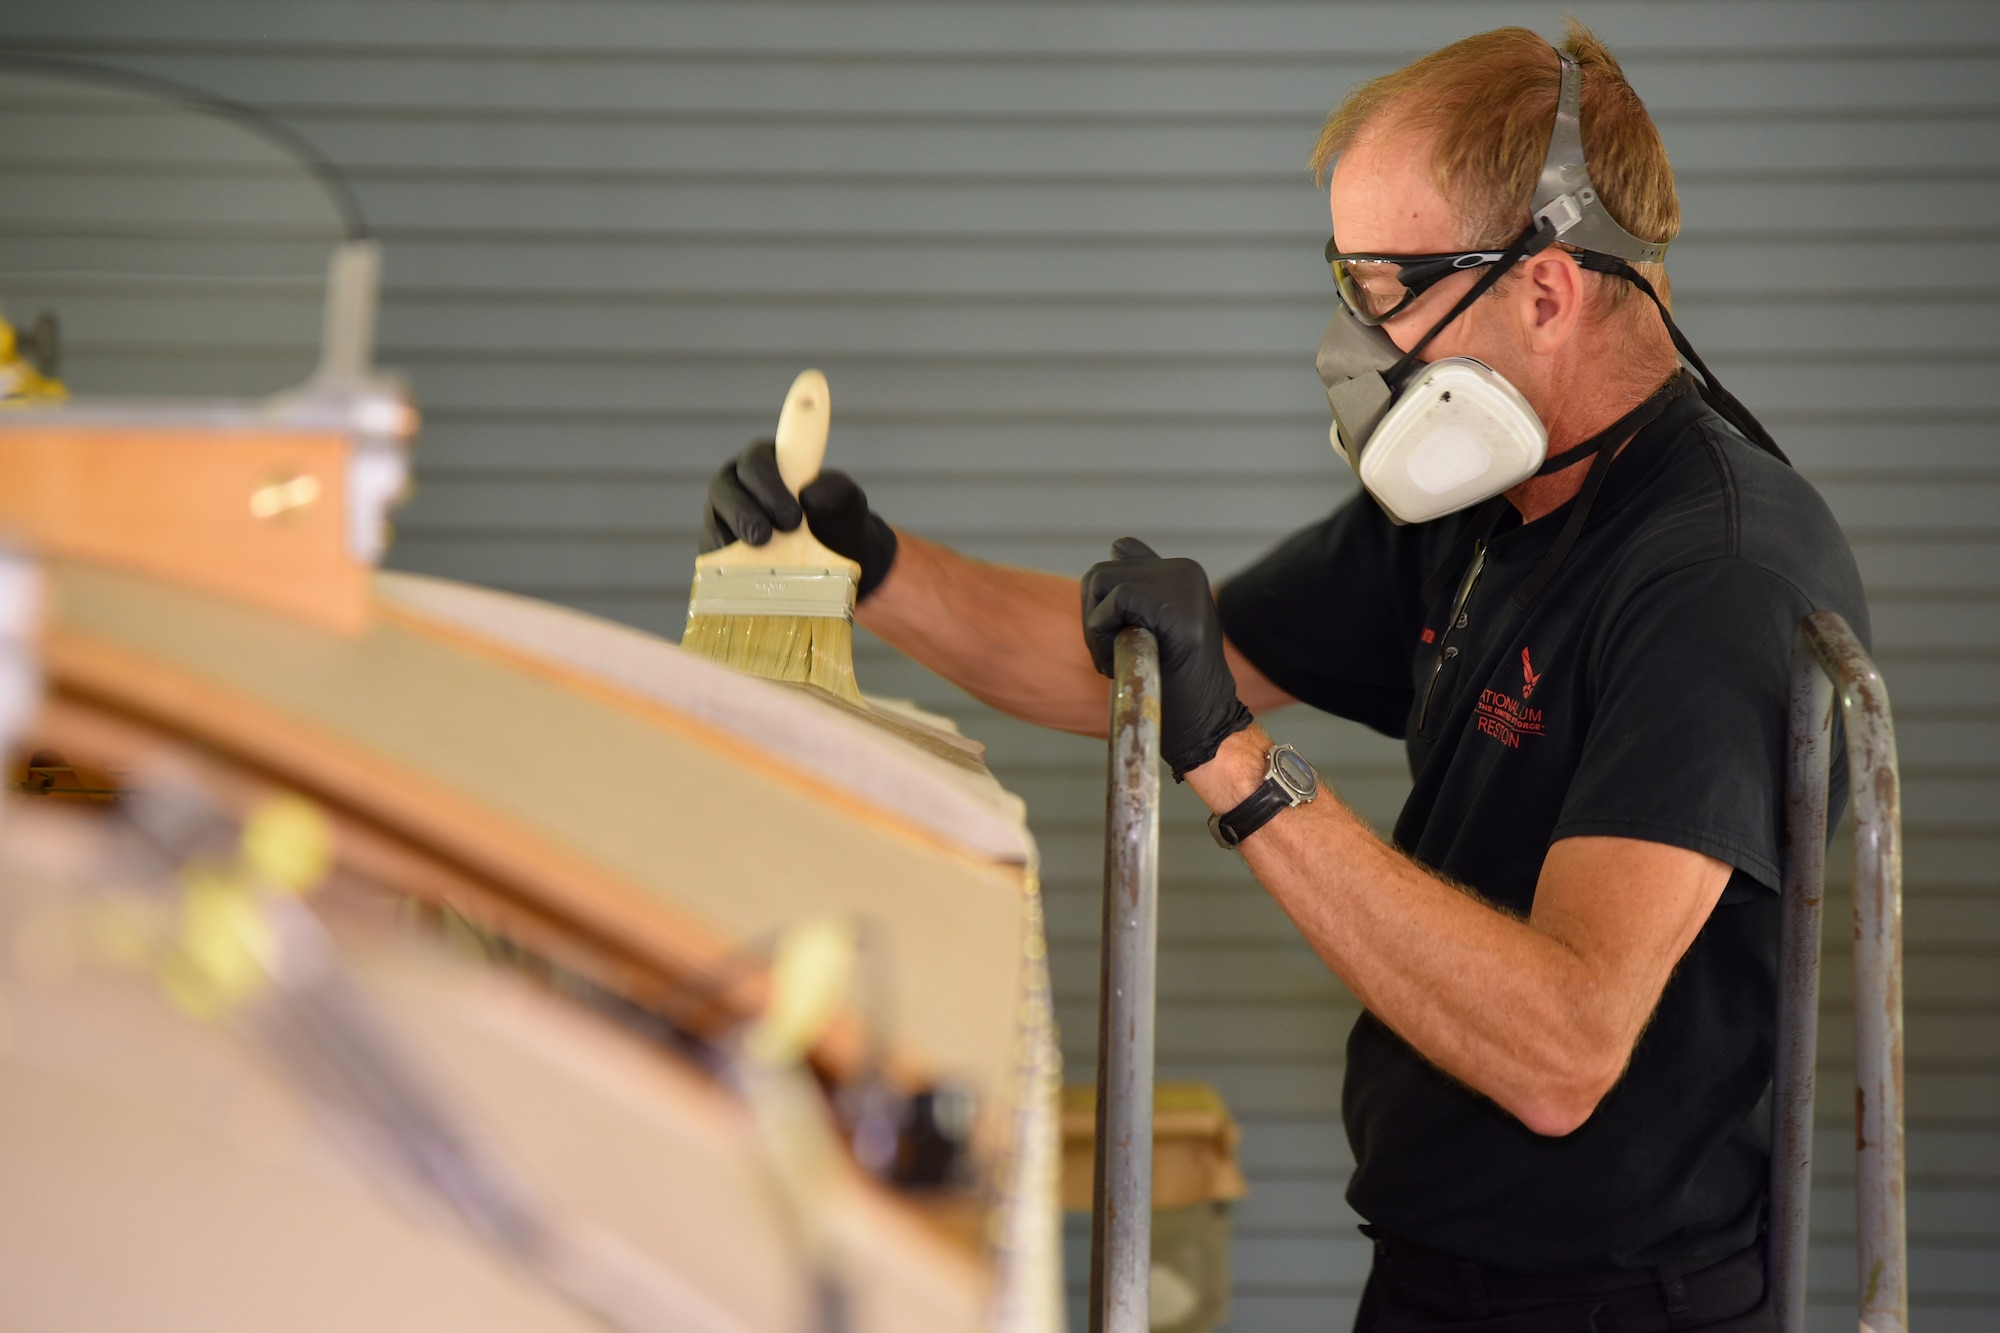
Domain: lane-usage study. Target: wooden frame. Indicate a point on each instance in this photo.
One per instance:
(254, 513)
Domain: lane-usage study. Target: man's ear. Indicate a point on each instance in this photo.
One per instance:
(1552, 297)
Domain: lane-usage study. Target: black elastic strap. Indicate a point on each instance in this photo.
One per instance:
(1622, 429)
(1538, 237)
(1604, 445)
(1486, 518)
(1724, 402)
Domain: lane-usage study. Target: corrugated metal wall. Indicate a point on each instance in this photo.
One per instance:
(1061, 264)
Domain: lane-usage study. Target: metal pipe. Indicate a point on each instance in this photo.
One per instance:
(21, 596)
(1808, 750)
(1878, 972)
(1121, 1207)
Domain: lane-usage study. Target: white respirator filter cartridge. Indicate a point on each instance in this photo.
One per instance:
(1458, 434)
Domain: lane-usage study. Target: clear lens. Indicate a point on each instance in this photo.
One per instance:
(1372, 288)
(1379, 287)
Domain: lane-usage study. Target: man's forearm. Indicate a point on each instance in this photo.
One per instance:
(1505, 1007)
(1010, 637)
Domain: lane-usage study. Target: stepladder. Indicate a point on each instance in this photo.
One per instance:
(1832, 670)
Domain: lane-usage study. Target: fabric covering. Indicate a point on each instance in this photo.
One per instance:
(912, 763)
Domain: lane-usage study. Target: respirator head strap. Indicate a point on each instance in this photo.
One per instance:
(1717, 396)
(1602, 448)
(1565, 198)
(1622, 429)
(1537, 237)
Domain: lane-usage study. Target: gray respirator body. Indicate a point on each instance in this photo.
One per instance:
(1432, 438)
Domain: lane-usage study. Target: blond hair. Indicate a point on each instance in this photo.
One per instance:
(1488, 104)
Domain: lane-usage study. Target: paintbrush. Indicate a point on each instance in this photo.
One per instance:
(783, 610)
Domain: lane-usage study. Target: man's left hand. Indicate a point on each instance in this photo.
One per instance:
(1199, 708)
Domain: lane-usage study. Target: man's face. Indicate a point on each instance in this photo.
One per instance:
(1384, 203)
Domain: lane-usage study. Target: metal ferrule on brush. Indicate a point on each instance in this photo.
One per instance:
(750, 591)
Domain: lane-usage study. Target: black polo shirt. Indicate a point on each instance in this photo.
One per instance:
(1642, 694)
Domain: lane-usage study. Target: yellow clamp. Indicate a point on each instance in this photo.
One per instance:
(810, 980)
(287, 845)
(226, 941)
(21, 383)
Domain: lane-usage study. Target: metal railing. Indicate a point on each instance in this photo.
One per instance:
(1121, 1204)
(1827, 655)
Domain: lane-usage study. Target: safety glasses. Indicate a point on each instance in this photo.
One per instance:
(1377, 288)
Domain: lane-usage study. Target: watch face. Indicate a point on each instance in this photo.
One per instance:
(1294, 772)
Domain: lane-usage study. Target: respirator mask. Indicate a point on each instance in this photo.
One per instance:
(1432, 438)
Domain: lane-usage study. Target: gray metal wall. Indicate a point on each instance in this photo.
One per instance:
(1061, 264)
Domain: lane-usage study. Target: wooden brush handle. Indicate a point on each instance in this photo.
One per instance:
(801, 446)
(802, 428)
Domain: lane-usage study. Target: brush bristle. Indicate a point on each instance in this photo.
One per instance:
(804, 650)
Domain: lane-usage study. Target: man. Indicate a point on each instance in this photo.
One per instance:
(1558, 1096)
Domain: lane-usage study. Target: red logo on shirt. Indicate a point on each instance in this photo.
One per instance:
(1507, 719)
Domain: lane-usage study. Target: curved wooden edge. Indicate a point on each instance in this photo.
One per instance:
(956, 1224)
(706, 734)
(420, 838)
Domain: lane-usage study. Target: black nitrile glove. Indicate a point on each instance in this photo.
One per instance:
(747, 500)
(1198, 704)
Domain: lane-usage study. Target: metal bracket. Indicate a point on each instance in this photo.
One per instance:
(346, 393)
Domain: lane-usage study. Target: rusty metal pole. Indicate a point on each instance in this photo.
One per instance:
(1878, 971)
(1809, 746)
(1121, 1209)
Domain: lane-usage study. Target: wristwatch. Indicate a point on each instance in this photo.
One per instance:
(1288, 781)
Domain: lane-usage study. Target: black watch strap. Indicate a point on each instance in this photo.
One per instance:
(1256, 810)
(1288, 781)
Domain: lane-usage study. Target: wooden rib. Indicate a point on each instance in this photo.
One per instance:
(423, 839)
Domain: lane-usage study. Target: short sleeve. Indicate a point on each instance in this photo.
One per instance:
(1690, 694)
(1331, 613)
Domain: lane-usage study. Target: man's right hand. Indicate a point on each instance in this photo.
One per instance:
(1199, 707)
(748, 501)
